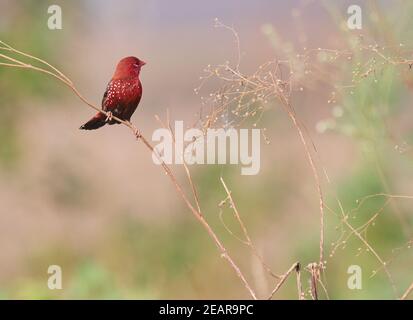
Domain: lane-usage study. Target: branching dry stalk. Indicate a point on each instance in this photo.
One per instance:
(266, 84)
(243, 97)
(357, 231)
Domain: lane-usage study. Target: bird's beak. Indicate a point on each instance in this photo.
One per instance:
(143, 63)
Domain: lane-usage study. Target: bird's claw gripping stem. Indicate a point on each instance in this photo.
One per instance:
(109, 116)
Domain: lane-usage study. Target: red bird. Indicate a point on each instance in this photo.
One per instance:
(122, 94)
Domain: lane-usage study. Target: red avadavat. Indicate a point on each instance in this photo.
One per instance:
(122, 94)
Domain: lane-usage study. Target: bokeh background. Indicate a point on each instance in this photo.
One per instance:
(95, 204)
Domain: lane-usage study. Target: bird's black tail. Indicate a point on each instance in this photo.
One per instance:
(99, 120)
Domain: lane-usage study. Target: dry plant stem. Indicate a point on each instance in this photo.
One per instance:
(296, 267)
(248, 241)
(399, 214)
(294, 119)
(233, 206)
(408, 291)
(361, 228)
(291, 113)
(282, 92)
(198, 215)
(299, 284)
(202, 220)
(365, 242)
(9, 48)
(188, 173)
(324, 288)
(239, 85)
(284, 99)
(383, 263)
(314, 280)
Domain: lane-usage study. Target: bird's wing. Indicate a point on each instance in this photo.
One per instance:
(105, 98)
(110, 102)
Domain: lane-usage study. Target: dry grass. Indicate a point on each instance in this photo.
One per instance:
(242, 97)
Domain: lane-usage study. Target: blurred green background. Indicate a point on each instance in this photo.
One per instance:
(95, 204)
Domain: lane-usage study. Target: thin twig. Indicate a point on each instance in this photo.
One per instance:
(248, 241)
(408, 291)
(296, 267)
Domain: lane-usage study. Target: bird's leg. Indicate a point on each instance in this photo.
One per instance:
(109, 116)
